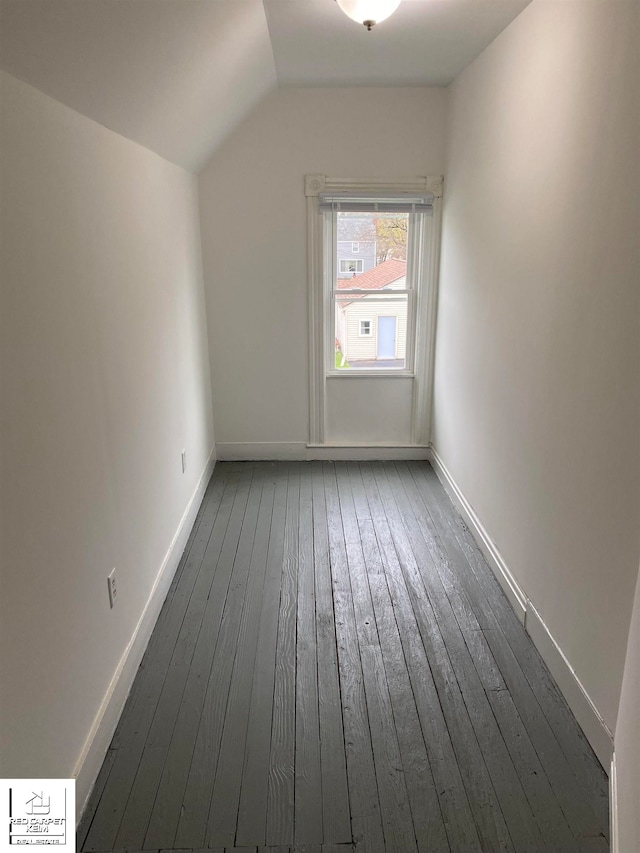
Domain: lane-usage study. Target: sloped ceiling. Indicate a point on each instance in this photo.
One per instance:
(424, 43)
(174, 75)
(178, 75)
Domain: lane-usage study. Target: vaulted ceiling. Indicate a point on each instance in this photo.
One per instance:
(178, 75)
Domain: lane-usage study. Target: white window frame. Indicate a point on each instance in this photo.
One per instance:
(321, 271)
(357, 261)
(368, 334)
(355, 248)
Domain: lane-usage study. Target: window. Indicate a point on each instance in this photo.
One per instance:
(352, 265)
(373, 315)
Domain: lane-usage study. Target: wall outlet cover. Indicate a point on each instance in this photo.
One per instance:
(113, 588)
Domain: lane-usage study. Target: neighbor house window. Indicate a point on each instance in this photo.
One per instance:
(355, 248)
(352, 265)
(365, 328)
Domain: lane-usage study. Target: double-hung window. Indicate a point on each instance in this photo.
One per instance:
(372, 315)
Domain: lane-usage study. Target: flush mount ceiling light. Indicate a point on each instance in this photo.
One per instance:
(368, 12)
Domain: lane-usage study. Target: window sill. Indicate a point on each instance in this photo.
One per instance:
(389, 373)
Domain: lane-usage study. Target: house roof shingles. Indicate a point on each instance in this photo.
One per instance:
(376, 278)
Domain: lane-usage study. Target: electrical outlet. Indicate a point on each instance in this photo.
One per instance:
(113, 588)
(183, 457)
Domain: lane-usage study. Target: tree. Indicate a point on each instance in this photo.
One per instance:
(391, 235)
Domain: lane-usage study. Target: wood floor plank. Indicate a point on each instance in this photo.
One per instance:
(577, 748)
(452, 794)
(523, 829)
(218, 501)
(280, 804)
(223, 814)
(598, 844)
(336, 820)
(206, 550)
(190, 810)
(172, 803)
(483, 799)
(427, 820)
(142, 797)
(363, 791)
(395, 809)
(427, 817)
(94, 799)
(335, 663)
(338, 848)
(545, 805)
(207, 850)
(580, 812)
(252, 813)
(134, 726)
(150, 678)
(308, 775)
(503, 765)
(568, 759)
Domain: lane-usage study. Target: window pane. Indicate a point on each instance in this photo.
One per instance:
(384, 345)
(380, 241)
(371, 256)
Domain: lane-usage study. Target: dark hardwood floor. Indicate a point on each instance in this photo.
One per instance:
(335, 668)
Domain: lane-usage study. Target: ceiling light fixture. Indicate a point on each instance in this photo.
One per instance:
(368, 12)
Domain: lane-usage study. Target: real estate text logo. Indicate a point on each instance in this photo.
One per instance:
(40, 815)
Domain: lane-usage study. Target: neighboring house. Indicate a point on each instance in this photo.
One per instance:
(356, 245)
(373, 326)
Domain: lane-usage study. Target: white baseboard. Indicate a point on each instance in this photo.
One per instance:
(613, 807)
(301, 452)
(105, 722)
(584, 709)
(492, 555)
(246, 451)
(367, 452)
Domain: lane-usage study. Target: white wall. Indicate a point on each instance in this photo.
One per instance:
(628, 741)
(538, 354)
(105, 380)
(172, 76)
(353, 401)
(255, 243)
